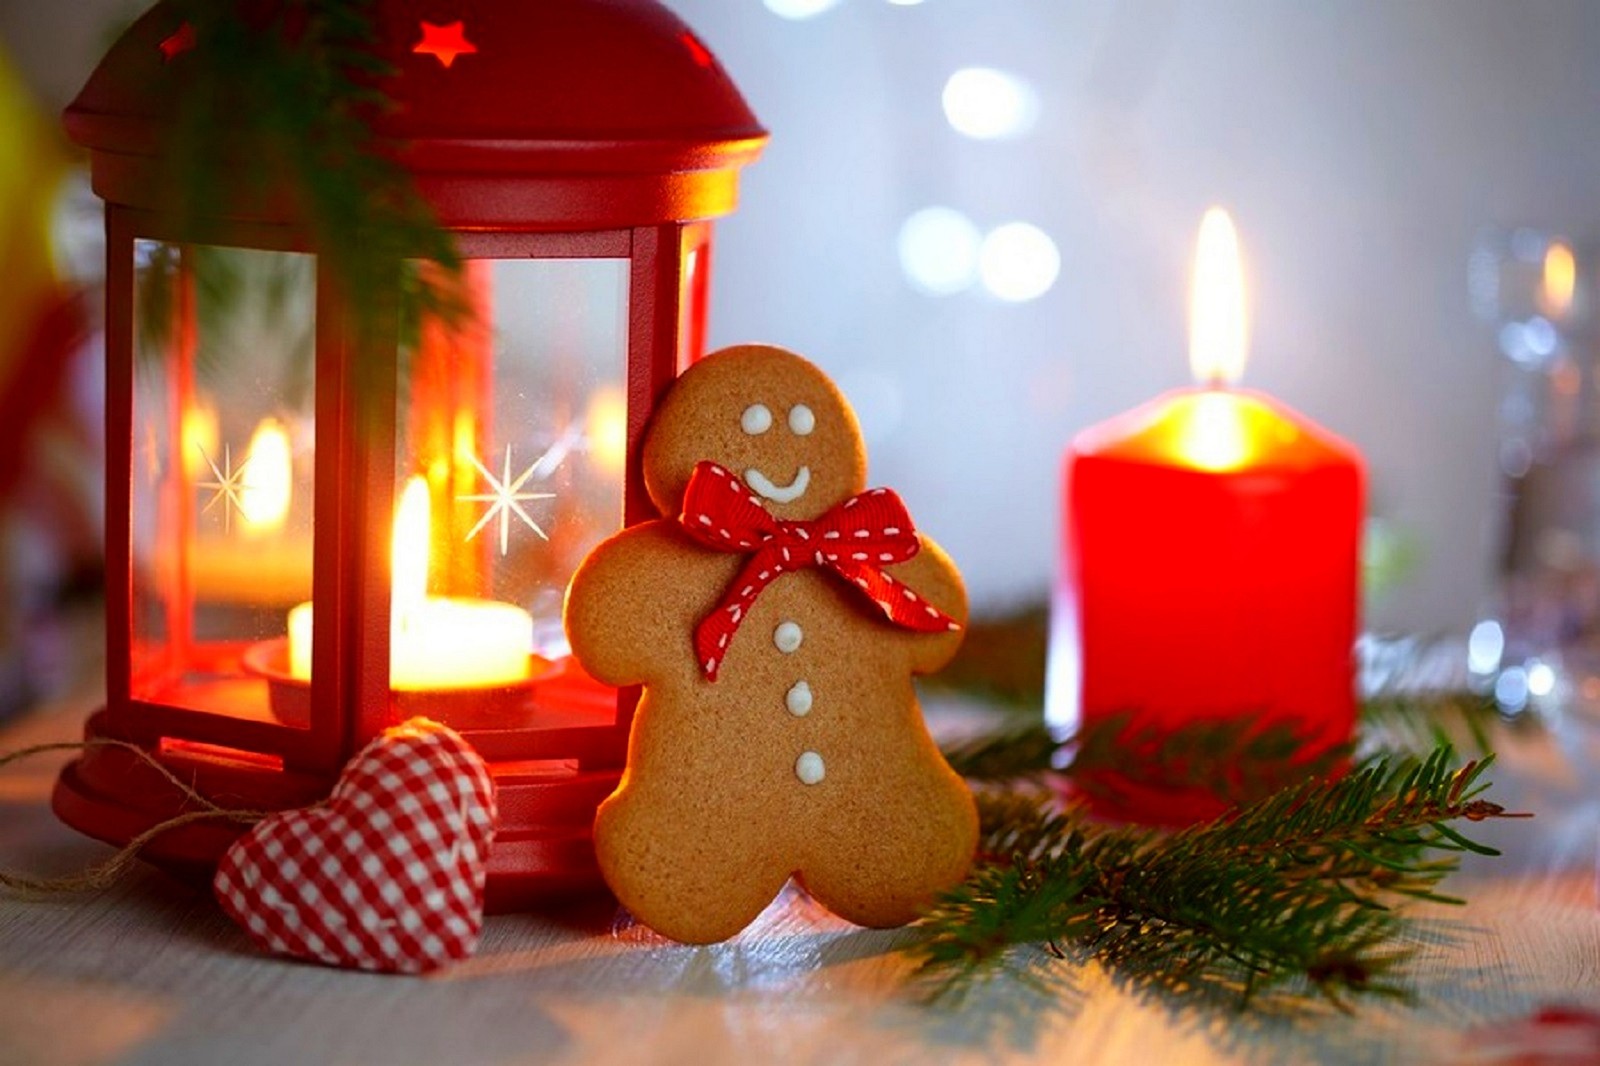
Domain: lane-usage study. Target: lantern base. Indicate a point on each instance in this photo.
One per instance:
(543, 848)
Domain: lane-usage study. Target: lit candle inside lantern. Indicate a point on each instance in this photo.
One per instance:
(268, 486)
(435, 642)
(198, 432)
(248, 549)
(1211, 542)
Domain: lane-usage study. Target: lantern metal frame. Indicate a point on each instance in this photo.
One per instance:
(644, 190)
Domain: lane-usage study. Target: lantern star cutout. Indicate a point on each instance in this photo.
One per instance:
(444, 42)
(229, 486)
(178, 43)
(505, 496)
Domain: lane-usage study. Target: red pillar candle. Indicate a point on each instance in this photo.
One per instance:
(1211, 546)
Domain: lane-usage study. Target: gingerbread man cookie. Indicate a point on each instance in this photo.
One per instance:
(774, 618)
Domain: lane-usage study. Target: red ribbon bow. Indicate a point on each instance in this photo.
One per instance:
(855, 540)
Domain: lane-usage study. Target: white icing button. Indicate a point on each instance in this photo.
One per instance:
(808, 768)
(798, 699)
(756, 419)
(787, 637)
(801, 420)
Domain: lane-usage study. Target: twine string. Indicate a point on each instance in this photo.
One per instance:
(105, 742)
(104, 874)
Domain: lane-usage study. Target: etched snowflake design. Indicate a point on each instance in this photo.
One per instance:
(506, 496)
(228, 485)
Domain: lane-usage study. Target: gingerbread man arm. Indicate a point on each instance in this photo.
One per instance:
(934, 577)
(616, 617)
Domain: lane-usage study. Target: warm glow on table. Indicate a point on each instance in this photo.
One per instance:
(1211, 541)
(435, 642)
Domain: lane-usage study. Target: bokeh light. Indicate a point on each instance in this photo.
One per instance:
(1511, 689)
(988, 104)
(1541, 678)
(1018, 262)
(939, 250)
(798, 9)
(1485, 646)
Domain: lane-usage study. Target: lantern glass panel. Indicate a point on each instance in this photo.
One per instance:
(510, 459)
(223, 464)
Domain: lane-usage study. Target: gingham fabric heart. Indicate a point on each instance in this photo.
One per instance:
(388, 874)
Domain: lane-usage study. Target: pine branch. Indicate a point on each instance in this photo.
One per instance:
(1239, 759)
(1024, 748)
(1411, 722)
(278, 100)
(1300, 886)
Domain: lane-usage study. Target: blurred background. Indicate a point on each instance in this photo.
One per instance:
(979, 216)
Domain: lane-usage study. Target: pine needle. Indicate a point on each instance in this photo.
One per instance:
(1302, 886)
(278, 102)
(1237, 759)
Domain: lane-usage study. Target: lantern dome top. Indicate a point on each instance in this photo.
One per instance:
(593, 86)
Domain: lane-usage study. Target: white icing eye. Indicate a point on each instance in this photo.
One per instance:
(756, 419)
(801, 420)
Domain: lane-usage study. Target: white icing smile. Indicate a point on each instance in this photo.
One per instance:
(779, 493)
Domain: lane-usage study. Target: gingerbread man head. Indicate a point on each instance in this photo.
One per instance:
(770, 417)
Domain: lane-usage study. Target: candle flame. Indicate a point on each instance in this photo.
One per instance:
(409, 573)
(268, 485)
(1560, 280)
(1216, 303)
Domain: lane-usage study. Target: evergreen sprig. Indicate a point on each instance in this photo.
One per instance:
(1299, 886)
(279, 100)
(1238, 759)
(1405, 721)
(1242, 757)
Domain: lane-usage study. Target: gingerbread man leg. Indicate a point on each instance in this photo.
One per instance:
(703, 866)
(882, 876)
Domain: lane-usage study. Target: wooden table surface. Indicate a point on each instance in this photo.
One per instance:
(151, 971)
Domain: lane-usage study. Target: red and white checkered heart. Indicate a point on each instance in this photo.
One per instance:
(388, 874)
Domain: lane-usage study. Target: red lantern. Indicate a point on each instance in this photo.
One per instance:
(424, 502)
